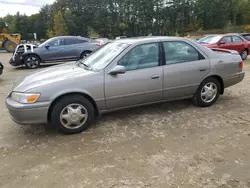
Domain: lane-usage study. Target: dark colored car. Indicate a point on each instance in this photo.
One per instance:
(230, 42)
(1, 68)
(246, 36)
(63, 48)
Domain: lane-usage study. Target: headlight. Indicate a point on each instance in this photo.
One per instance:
(25, 97)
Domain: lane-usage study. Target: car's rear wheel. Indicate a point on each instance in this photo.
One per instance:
(72, 114)
(85, 54)
(244, 55)
(32, 61)
(207, 93)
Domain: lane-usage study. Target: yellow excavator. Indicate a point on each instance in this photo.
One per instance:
(9, 42)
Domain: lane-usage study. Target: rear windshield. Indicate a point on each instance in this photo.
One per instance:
(204, 39)
(212, 40)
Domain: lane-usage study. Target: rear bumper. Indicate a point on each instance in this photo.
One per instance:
(27, 114)
(234, 79)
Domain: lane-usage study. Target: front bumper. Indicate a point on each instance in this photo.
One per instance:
(18, 61)
(234, 79)
(28, 114)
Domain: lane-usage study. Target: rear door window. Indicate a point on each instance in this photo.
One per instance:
(180, 52)
(237, 39)
(71, 41)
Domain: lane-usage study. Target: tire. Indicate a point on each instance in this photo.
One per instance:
(244, 54)
(10, 46)
(85, 54)
(67, 120)
(205, 97)
(32, 61)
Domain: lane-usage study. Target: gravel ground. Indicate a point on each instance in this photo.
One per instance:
(168, 145)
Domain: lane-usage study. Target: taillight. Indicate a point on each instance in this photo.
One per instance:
(241, 64)
(98, 44)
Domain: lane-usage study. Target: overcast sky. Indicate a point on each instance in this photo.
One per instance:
(23, 6)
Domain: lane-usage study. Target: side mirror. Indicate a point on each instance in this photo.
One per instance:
(222, 43)
(118, 69)
(47, 46)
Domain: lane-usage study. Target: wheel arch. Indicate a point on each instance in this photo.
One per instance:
(31, 53)
(4, 42)
(219, 79)
(84, 51)
(91, 100)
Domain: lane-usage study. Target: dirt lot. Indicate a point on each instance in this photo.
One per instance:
(167, 145)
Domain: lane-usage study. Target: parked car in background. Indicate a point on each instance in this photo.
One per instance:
(120, 37)
(121, 74)
(205, 38)
(63, 48)
(229, 41)
(1, 68)
(246, 36)
(102, 41)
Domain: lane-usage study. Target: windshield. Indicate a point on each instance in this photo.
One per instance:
(45, 42)
(103, 56)
(212, 40)
(204, 38)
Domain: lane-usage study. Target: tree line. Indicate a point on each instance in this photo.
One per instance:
(111, 18)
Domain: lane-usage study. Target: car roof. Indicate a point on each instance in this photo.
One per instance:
(69, 36)
(135, 40)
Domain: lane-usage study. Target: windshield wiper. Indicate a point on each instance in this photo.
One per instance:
(85, 65)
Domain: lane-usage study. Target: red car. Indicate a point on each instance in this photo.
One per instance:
(231, 42)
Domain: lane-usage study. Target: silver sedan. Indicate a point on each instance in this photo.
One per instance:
(122, 74)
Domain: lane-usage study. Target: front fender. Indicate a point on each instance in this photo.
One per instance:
(69, 91)
(25, 54)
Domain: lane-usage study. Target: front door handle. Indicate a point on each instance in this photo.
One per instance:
(155, 77)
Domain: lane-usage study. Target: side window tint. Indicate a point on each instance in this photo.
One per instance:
(226, 39)
(71, 41)
(78, 41)
(140, 57)
(57, 42)
(180, 52)
(236, 39)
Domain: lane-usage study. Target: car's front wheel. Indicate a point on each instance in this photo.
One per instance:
(72, 114)
(32, 61)
(207, 93)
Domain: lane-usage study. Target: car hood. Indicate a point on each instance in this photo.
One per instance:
(50, 75)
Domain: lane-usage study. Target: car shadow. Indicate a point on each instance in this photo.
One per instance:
(160, 109)
(157, 109)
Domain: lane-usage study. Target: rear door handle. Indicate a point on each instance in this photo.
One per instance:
(155, 77)
(202, 70)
